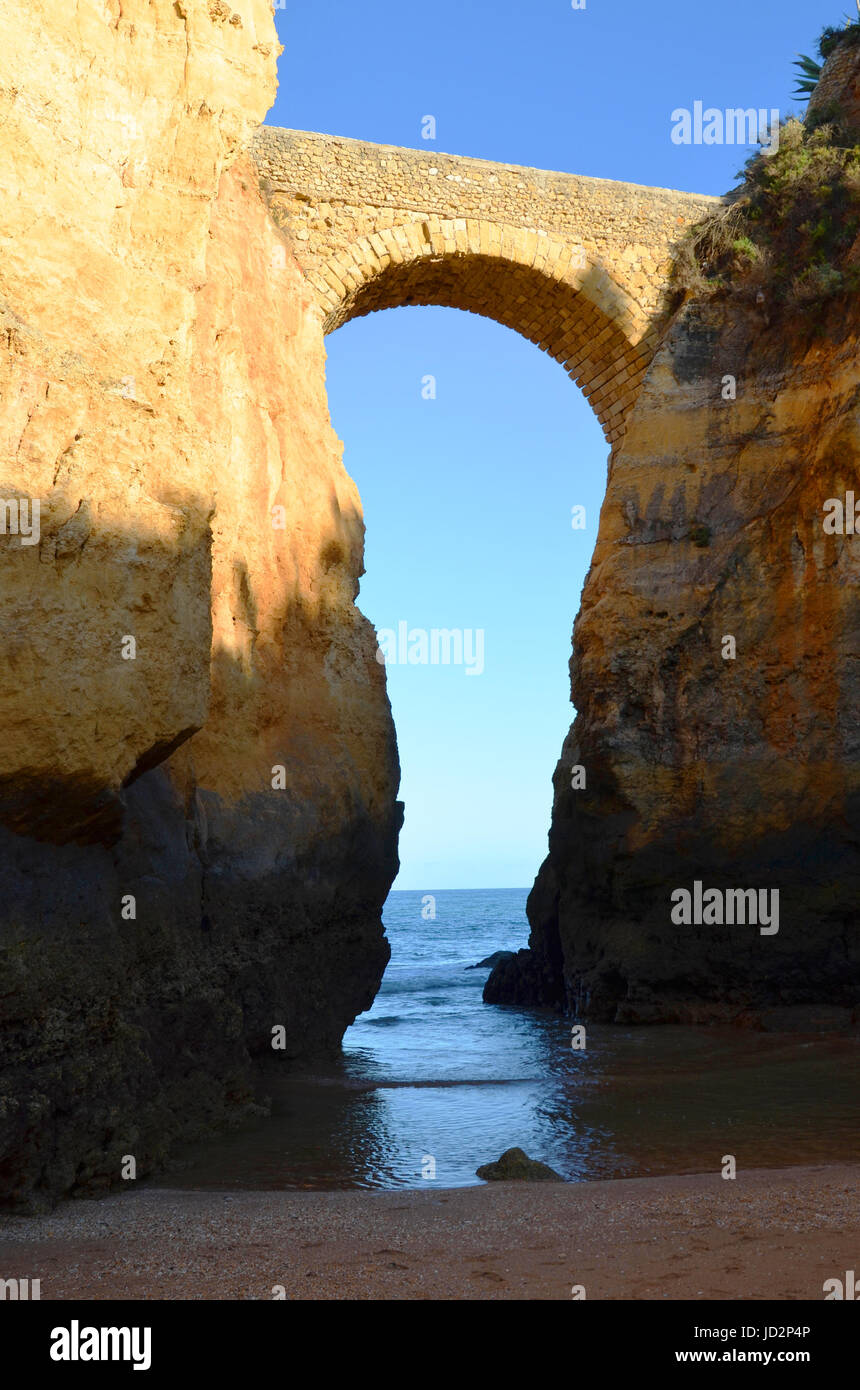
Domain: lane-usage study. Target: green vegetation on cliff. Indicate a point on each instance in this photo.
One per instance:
(831, 38)
(786, 236)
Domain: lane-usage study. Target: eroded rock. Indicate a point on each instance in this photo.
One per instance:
(198, 774)
(516, 1166)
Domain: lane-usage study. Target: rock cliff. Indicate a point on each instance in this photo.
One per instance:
(738, 773)
(714, 671)
(198, 771)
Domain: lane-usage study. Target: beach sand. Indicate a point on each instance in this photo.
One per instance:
(767, 1234)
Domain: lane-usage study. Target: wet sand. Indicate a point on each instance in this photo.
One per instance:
(768, 1234)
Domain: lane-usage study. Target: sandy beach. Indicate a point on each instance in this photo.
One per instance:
(769, 1234)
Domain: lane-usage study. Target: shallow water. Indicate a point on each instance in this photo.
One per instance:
(433, 1073)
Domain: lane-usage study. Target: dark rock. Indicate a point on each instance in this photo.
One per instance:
(156, 1029)
(534, 976)
(492, 960)
(516, 1166)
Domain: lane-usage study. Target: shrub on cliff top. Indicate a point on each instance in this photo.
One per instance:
(831, 38)
(785, 235)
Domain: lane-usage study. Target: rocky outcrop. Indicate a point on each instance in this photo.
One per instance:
(837, 92)
(516, 1166)
(491, 960)
(198, 772)
(737, 772)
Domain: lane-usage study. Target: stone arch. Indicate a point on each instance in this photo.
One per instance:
(551, 291)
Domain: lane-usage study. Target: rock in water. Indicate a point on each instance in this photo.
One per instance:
(522, 977)
(492, 960)
(515, 1165)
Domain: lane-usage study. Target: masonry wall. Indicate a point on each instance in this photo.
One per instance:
(327, 191)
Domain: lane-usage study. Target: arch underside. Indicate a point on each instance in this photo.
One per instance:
(580, 317)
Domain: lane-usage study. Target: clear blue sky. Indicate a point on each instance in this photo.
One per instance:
(468, 497)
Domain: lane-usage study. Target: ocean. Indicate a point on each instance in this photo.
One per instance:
(432, 1083)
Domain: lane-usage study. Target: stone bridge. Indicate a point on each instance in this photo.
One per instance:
(577, 265)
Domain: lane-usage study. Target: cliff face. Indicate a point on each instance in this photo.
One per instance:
(198, 770)
(738, 773)
(198, 829)
(715, 656)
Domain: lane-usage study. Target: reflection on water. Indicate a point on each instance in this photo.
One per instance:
(432, 1072)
